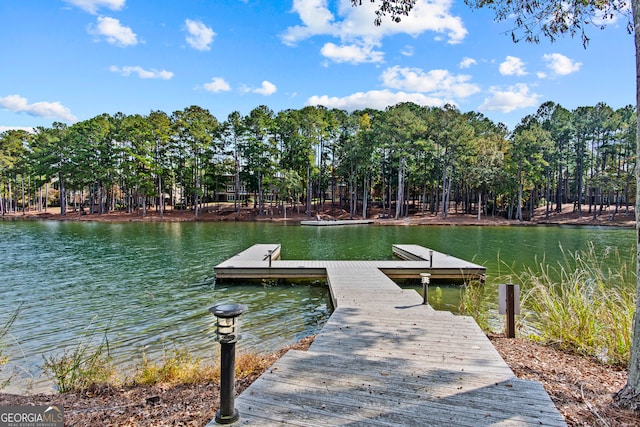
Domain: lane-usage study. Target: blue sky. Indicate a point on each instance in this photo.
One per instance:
(70, 60)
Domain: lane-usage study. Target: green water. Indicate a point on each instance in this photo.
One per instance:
(149, 285)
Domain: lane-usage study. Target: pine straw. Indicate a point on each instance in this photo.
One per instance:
(580, 387)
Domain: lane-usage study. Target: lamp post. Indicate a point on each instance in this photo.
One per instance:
(227, 331)
(425, 278)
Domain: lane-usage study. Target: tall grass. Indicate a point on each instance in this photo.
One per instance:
(82, 366)
(584, 303)
(181, 367)
(475, 302)
(4, 331)
(176, 367)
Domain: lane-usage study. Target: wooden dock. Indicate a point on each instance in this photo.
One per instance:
(384, 359)
(253, 263)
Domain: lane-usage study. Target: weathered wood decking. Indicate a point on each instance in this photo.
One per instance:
(384, 359)
(253, 263)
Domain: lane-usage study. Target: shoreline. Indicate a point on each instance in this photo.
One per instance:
(222, 213)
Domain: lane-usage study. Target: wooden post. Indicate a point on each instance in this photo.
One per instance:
(509, 304)
(511, 315)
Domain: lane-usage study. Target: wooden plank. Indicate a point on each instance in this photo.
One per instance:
(436, 385)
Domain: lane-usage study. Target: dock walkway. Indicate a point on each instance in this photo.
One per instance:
(384, 359)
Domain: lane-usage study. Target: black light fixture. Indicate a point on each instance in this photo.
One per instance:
(228, 333)
(425, 278)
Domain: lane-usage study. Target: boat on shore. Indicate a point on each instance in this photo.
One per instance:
(324, 223)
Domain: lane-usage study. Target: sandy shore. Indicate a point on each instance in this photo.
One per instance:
(222, 212)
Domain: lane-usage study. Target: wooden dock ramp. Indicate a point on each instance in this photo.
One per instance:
(384, 359)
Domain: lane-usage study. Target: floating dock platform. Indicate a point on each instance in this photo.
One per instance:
(254, 263)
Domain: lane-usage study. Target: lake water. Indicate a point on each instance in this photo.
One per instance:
(148, 286)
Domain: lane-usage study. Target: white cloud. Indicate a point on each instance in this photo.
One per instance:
(407, 50)
(467, 62)
(560, 64)
(440, 83)
(353, 53)
(29, 129)
(142, 73)
(266, 89)
(114, 32)
(512, 66)
(353, 23)
(514, 98)
(92, 6)
(316, 18)
(217, 84)
(53, 110)
(200, 36)
(379, 99)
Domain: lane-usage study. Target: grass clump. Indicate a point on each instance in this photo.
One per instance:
(181, 367)
(585, 303)
(475, 302)
(81, 367)
(178, 367)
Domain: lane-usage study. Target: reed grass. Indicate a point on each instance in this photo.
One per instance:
(85, 366)
(178, 367)
(82, 366)
(583, 303)
(181, 367)
(4, 331)
(475, 302)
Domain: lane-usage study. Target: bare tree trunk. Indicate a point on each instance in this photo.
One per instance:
(1, 198)
(629, 396)
(63, 197)
(444, 191)
(365, 195)
(309, 191)
(23, 199)
(520, 190)
(400, 202)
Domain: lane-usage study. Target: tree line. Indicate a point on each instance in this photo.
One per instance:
(405, 159)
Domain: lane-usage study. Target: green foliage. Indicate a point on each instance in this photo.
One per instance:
(82, 366)
(437, 298)
(585, 303)
(401, 155)
(553, 19)
(475, 302)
